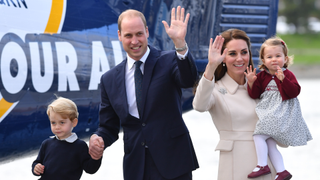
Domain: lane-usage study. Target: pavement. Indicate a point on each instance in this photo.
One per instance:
(305, 71)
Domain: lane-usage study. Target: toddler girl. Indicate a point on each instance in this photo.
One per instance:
(280, 118)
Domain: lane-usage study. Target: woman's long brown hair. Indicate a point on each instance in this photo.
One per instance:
(229, 35)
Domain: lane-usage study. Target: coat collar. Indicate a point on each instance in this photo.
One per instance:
(230, 84)
(148, 71)
(267, 70)
(120, 83)
(150, 63)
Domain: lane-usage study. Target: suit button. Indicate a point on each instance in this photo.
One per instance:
(142, 144)
(143, 124)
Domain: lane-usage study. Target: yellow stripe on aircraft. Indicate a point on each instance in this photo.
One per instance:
(52, 27)
(4, 106)
(55, 16)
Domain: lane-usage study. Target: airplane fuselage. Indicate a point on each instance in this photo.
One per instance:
(62, 47)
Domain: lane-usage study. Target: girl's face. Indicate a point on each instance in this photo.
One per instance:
(237, 59)
(274, 57)
(61, 127)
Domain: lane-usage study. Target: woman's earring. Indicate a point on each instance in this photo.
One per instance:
(223, 64)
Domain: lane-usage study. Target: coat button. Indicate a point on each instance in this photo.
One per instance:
(142, 143)
(143, 124)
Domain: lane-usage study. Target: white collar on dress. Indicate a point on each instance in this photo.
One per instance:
(267, 70)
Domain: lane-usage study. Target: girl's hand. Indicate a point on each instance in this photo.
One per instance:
(38, 169)
(279, 74)
(251, 76)
(214, 56)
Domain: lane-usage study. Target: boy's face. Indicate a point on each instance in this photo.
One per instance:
(61, 127)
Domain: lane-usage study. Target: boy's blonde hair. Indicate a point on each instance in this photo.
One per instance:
(65, 107)
(275, 41)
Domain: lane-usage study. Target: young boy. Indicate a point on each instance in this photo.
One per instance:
(63, 156)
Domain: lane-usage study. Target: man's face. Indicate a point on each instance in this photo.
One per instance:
(134, 37)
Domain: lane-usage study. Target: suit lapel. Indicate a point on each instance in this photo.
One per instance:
(120, 83)
(147, 75)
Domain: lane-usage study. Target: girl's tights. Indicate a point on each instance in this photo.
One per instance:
(266, 145)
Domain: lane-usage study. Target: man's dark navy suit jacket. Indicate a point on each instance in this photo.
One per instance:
(160, 126)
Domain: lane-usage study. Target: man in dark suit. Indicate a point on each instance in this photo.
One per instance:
(157, 144)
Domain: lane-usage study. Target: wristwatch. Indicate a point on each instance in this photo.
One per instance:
(182, 49)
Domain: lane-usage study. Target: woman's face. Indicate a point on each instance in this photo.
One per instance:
(237, 59)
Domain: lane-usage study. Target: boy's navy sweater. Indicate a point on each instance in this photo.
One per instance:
(64, 160)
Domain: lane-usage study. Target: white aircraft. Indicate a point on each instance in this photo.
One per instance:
(62, 47)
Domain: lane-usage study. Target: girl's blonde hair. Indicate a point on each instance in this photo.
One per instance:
(65, 107)
(275, 41)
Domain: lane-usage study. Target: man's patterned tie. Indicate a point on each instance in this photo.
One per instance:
(138, 83)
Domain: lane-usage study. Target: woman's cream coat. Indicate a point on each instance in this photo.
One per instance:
(233, 113)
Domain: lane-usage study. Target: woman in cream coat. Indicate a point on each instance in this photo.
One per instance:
(222, 92)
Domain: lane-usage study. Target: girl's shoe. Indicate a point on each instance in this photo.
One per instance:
(263, 170)
(284, 175)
